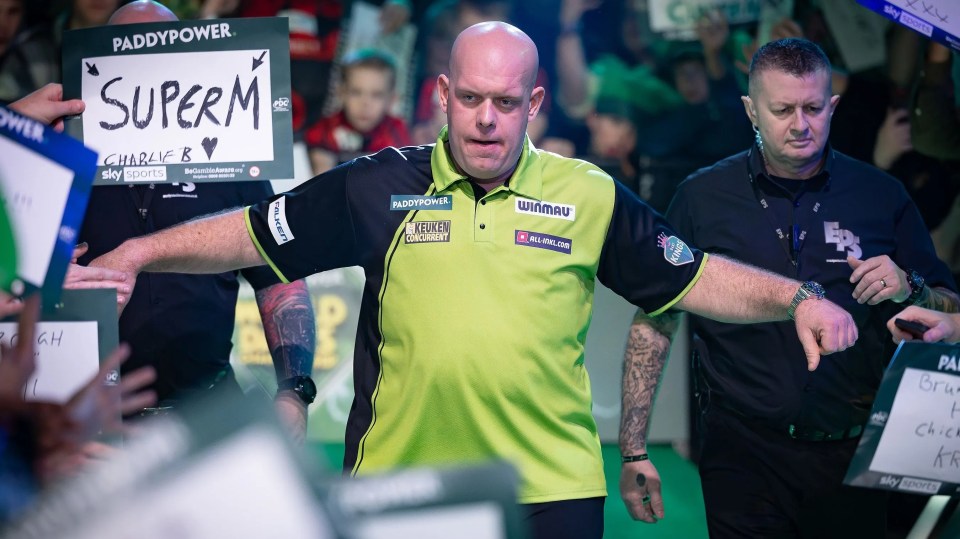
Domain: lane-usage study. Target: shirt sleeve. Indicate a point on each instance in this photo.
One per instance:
(259, 277)
(307, 230)
(644, 260)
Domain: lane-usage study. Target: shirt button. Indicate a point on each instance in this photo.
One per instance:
(482, 226)
(796, 204)
(483, 202)
(807, 388)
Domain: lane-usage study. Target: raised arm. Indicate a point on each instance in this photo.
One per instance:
(643, 363)
(730, 291)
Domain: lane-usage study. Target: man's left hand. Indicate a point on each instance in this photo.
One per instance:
(640, 491)
(293, 415)
(878, 279)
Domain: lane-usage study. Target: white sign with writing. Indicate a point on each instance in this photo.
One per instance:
(936, 19)
(922, 436)
(146, 117)
(67, 357)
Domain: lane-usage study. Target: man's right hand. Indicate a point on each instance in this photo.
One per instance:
(640, 491)
(823, 328)
(84, 277)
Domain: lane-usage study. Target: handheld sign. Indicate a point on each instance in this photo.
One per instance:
(185, 101)
(69, 342)
(912, 440)
(937, 19)
(677, 19)
(45, 180)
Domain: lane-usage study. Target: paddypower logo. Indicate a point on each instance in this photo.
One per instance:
(674, 250)
(417, 202)
(553, 210)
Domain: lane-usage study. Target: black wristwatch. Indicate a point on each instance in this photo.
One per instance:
(302, 386)
(916, 283)
(807, 290)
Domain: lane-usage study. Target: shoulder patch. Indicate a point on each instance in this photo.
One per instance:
(675, 251)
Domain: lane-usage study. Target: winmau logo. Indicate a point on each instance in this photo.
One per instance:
(554, 210)
(278, 221)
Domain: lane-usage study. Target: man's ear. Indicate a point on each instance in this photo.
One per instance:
(536, 99)
(749, 109)
(443, 91)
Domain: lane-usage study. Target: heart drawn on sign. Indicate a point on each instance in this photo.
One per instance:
(208, 145)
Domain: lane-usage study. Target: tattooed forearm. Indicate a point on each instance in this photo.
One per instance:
(941, 299)
(643, 363)
(289, 327)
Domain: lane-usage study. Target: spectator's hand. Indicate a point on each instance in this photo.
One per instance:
(823, 328)
(68, 461)
(786, 28)
(893, 139)
(572, 10)
(878, 279)
(937, 53)
(393, 16)
(644, 502)
(293, 416)
(713, 31)
(47, 105)
(9, 305)
(944, 327)
(84, 277)
(212, 9)
(99, 405)
(18, 362)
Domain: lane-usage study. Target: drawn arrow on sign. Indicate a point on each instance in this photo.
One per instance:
(92, 69)
(258, 61)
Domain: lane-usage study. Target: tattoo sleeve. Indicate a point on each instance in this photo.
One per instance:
(643, 362)
(289, 327)
(941, 299)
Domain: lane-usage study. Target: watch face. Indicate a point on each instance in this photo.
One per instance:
(307, 388)
(815, 288)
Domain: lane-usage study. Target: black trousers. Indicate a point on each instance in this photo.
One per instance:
(565, 519)
(760, 483)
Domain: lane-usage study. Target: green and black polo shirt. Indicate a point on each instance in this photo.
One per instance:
(476, 306)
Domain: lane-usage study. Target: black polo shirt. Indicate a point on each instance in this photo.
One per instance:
(850, 208)
(180, 324)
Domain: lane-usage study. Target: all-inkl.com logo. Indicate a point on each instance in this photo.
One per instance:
(675, 251)
(543, 241)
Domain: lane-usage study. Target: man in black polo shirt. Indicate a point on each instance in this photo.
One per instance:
(777, 438)
(180, 324)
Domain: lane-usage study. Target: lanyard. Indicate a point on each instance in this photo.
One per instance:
(143, 196)
(792, 241)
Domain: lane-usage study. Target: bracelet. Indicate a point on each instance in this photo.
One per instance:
(634, 458)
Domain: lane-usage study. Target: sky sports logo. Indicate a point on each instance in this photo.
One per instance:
(136, 174)
(544, 241)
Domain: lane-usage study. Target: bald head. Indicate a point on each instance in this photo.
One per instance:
(142, 11)
(498, 47)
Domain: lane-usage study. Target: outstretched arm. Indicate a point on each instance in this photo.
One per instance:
(643, 362)
(731, 291)
(211, 244)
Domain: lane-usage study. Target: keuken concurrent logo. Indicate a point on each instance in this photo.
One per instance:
(675, 251)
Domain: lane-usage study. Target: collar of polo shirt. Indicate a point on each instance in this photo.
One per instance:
(526, 181)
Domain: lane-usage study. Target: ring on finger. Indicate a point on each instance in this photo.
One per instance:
(883, 283)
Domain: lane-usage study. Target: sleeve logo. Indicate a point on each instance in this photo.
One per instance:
(278, 221)
(675, 251)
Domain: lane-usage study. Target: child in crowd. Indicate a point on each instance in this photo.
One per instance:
(363, 124)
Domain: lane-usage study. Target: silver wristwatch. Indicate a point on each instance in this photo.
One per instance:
(809, 289)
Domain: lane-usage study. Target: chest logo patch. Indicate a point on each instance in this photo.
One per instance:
(554, 210)
(675, 251)
(426, 232)
(418, 202)
(543, 241)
